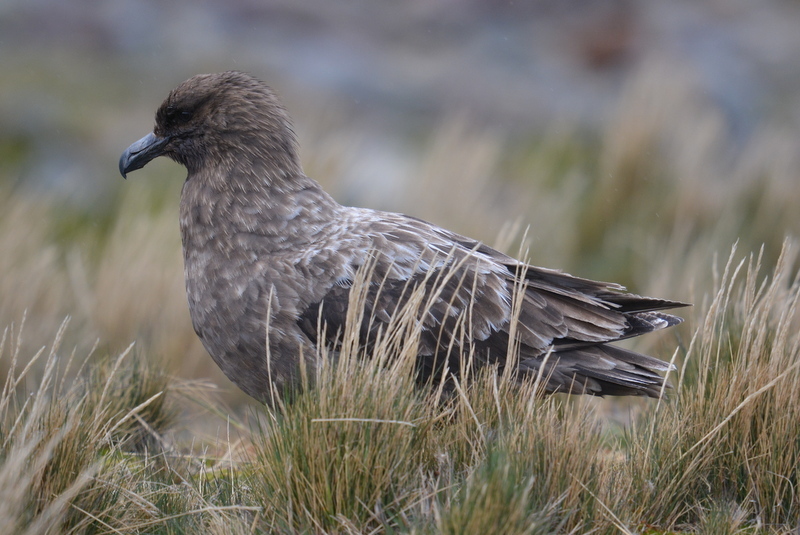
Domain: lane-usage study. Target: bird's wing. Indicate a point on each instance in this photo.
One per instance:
(414, 264)
(465, 292)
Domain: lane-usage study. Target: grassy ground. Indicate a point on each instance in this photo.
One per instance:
(98, 436)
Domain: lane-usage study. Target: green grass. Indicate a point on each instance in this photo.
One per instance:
(98, 436)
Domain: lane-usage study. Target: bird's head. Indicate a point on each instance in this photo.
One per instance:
(215, 119)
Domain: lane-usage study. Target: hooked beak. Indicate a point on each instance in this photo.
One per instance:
(137, 155)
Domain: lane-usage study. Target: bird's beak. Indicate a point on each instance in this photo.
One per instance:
(137, 155)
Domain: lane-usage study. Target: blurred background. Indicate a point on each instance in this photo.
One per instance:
(636, 141)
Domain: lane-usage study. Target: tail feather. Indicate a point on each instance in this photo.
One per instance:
(638, 324)
(601, 370)
(632, 303)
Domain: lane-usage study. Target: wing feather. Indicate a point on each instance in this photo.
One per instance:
(472, 287)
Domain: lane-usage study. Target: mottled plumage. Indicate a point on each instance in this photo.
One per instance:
(258, 233)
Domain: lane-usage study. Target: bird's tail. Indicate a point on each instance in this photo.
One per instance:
(600, 370)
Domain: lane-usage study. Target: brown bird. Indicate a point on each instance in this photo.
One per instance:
(259, 235)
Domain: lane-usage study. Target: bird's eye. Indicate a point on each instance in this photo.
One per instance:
(174, 115)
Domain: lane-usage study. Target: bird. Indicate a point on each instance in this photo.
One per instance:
(271, 262)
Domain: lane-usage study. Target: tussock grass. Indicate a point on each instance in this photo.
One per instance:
(348, 455)
(729, 440)
(87, 446)
(534, 463)
(81, 450)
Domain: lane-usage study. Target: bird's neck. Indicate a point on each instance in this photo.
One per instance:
(253, 166)
(220, 202)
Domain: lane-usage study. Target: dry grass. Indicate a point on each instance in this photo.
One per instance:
(365, 450)
(103, 438)
(730, 437)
